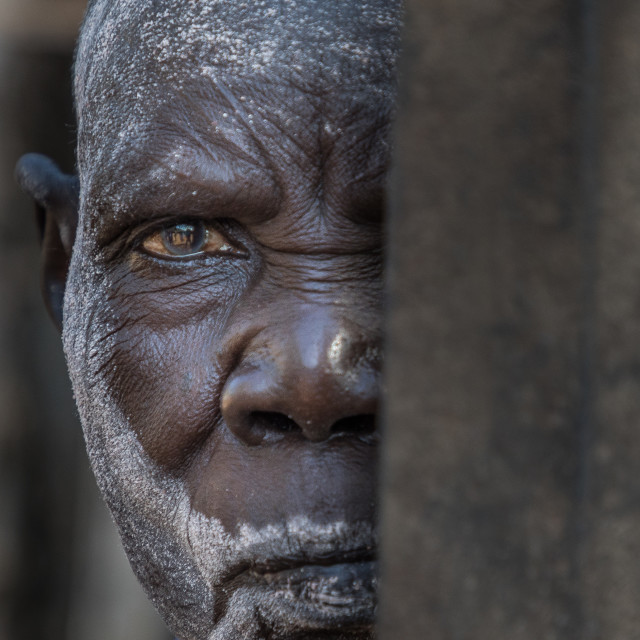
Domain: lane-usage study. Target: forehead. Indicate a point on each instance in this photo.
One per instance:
(139, 42)
(262, 29)
(164, 81)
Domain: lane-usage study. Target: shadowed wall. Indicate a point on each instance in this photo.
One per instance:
(510, 491)
(510, 487)
(63, 575)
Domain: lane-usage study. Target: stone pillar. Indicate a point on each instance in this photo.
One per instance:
(490, 411)
(611, 571)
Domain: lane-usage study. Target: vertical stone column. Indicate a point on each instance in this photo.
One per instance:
(489, 373)
(612, 524)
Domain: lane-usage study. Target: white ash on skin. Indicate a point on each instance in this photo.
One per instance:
(128, 52)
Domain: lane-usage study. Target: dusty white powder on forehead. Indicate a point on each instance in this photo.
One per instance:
(134, 54)
(347, 40)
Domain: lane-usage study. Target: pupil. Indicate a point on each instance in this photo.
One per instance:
(184, 239)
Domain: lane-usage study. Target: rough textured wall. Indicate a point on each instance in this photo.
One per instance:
(612, 548)
(490, 510)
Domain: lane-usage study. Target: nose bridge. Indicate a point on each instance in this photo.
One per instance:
(324, 342)
(320, 354)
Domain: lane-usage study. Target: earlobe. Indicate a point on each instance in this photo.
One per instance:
(56, 198)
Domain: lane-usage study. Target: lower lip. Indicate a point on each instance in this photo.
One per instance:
(320, 597)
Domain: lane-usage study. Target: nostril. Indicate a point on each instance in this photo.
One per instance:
(273, 421)
(264, 427)
(359, 425)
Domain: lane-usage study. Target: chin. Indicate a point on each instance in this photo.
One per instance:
(293, 580)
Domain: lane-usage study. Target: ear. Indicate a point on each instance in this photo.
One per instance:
(56, 198)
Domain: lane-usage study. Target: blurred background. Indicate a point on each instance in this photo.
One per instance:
(63, 574)
(511, 494)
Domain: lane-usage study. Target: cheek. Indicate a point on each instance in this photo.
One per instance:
(167, 383)
(159, 349)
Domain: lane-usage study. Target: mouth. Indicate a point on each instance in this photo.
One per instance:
(318, 593)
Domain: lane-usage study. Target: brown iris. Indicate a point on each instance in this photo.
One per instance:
(185, 240)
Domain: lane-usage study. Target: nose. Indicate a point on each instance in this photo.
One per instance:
(316, 378)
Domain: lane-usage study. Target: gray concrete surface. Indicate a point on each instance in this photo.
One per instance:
(493, 349)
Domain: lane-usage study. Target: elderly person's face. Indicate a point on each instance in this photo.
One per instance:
(222, 311)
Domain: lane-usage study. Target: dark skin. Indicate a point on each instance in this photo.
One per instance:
(237, 328)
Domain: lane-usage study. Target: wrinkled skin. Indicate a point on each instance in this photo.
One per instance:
(228, 392)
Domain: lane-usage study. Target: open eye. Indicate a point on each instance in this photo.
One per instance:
(186, 240)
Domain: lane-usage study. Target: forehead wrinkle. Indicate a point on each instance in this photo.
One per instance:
(181, 138)
(245, 118)
(120, 76)
(160, 190)
(178, 156)
(123, 47)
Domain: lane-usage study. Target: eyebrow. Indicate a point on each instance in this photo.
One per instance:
(212, 180)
